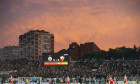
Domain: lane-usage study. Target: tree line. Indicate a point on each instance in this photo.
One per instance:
(117, 53)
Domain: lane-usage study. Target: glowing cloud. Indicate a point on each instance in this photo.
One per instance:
(109, 23)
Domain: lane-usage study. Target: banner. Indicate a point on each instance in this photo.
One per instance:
(129, 82)
(21, 83)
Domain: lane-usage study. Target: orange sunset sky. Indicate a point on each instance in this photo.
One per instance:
(108, 23)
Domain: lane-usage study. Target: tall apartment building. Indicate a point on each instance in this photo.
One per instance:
(35, 42)
(9, 53)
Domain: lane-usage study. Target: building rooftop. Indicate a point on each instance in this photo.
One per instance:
(38, 31)
(32, 31)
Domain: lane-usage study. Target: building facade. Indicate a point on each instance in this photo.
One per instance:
(35, 42)
(9, 53)
(88, 47)
(77, 52)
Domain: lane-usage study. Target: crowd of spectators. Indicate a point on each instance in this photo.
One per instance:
(95, 68)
